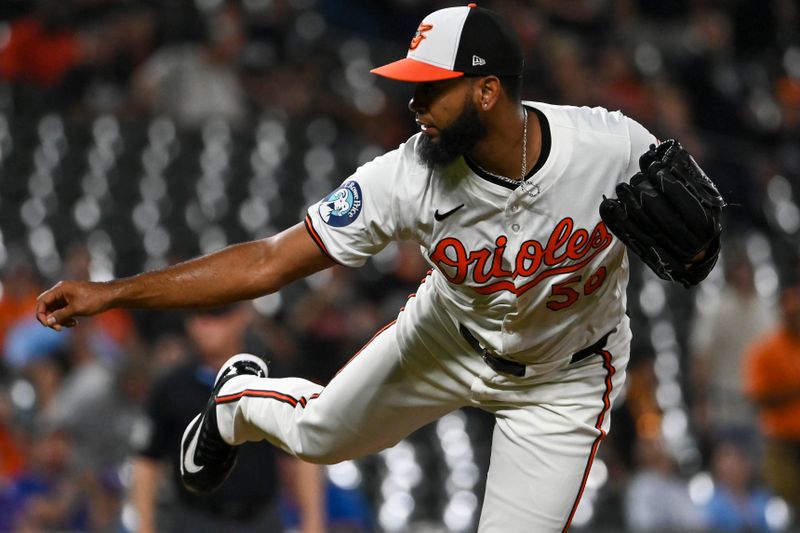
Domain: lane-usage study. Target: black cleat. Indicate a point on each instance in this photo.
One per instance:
(206, 459)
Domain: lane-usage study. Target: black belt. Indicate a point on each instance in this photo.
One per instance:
(513, 368)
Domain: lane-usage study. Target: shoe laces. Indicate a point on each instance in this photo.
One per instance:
(244, 368)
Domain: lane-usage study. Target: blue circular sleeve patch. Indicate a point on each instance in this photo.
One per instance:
(342, 206)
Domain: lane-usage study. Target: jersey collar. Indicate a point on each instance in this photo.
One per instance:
(543, 155)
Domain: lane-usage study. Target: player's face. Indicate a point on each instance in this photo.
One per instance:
(448, 118)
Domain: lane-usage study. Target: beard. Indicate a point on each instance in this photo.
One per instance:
(455, 140)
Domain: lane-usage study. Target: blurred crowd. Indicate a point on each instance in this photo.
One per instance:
(78, 409)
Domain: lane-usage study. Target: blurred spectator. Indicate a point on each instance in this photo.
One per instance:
(245, 502)
(618, 85)
(711, 76)
(566, 64)
(82, 416)
(334, 320)
(41, 50)
(737, 504)
(12, 457)
(86, 376)
(47, 496)
(114, 331)
(100, 415)
(194, 82)
(19, 288)
(342, 314)
(787, 92)
(98, 374)
(672, 116)
(657, 498)
(718, 339)
(41, 360)
(53, 54)
(772, 381)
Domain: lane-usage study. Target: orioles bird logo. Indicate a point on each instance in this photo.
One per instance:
(419, 35)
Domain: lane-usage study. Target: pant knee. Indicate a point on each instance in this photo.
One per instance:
(325, 447)
(325, 455)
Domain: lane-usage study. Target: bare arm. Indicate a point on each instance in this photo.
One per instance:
(146, 476)
(305, 482)
(310, 497)
(237, 272)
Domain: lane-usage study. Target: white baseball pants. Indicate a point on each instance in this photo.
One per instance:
(545, 438)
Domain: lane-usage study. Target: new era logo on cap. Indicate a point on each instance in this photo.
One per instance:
(458, 41)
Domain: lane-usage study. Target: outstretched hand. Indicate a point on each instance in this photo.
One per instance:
(59, 306)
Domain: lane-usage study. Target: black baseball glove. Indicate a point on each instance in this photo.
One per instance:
(669, 214)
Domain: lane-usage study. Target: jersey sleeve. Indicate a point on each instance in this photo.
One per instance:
(360, 217)
(640, 141)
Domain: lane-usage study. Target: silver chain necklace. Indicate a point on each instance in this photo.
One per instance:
(532, 192)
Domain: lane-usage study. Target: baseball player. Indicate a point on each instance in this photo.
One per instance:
(523, 210)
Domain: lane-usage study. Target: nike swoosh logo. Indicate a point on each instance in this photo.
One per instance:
(188, 456)
(441, 216)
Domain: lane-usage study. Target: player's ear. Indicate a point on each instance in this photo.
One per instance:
(486, 92)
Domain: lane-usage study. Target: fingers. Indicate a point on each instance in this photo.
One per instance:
(53, 309)
(63, 318)
(71, 323)
(47, 301)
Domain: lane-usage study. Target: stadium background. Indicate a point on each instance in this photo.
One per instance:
(134, 134)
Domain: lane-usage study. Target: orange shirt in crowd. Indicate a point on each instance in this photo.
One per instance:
(14, 308)
(118, 324)
(12, 459)
(772, 366)
(34, 55)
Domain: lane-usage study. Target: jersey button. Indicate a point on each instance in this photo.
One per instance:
(515, 228)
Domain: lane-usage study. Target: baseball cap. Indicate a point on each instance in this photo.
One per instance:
(458, 41)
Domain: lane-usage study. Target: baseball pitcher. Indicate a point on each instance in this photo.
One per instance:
(524, 211)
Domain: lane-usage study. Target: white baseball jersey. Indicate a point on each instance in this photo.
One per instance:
(531, 271)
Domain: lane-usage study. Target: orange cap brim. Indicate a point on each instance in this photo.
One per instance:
(408, 69)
